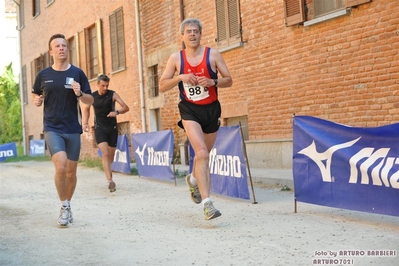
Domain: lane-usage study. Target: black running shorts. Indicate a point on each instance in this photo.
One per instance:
(208, 116)
(109, 136)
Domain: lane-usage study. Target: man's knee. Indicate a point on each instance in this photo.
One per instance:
(202, 154)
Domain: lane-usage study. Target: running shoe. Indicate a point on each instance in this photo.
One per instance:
(65, 216)
(210, 211)
(194, 190)
(111, 186)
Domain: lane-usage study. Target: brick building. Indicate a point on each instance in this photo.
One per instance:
(334, 59)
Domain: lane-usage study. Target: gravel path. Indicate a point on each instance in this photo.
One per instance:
(150, 222)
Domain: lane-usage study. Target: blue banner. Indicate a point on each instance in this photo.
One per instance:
(154, 153)
(227, 166)
(121, 161)
(8, 150)
(346, 167)
(37, 147)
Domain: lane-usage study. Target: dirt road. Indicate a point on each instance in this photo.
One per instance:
(147, 222)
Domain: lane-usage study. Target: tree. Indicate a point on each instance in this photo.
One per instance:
(10, 108)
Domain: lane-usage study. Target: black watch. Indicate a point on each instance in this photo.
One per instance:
(117, 112)
(216, 82)
(81, 94)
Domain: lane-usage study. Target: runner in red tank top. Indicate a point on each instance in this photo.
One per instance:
(197, 94)
(198, 68)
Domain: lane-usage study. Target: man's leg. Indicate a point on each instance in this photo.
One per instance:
(202, 145)
(107, 159)
(71, 178)
(61, 182)
(65, 182)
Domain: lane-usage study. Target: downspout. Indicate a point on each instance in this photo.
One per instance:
(182, 18)
(141, 70)
(20, 79)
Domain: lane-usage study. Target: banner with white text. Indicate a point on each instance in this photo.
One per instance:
(154, 153)
(8, 150)
(121, 161)
(37, 147)
(227, 166)
(346, 167)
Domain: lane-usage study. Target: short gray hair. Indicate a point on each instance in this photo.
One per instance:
(188, 21)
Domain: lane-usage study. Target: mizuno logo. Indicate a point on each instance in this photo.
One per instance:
(156, 158)
(6, 153)
(224, 165)
(140, 153)
(120, 156)
(367, 160)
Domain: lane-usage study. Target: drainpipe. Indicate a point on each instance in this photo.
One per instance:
(20, 80)
(182, 18)
(141, 70)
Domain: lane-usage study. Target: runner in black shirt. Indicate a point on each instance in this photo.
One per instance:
(105, 124)
(60, 88)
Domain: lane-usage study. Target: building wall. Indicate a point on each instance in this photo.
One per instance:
(75, 17)
(344, 69)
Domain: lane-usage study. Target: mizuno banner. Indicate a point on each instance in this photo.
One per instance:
(121, 161)
(37, 147)
(8, 150)
(346, 167)
(227, 166)
(154, 153)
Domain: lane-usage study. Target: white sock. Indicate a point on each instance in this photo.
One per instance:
(193, 181)
(65, 203)
(205, 201)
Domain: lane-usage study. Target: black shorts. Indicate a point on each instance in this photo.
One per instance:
(208, 116)
(107, 135)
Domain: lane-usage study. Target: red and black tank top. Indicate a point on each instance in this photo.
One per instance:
(197, 94)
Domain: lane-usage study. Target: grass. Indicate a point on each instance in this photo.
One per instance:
(96, 163)
(23, 158)
(88, 162)
(285, 188)
(180, 173)
(91, 162)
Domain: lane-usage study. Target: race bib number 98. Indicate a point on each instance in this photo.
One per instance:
(195, 92)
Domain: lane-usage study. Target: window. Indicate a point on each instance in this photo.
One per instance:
(153, 82)
(24, 85)
(320, 11)
(36, 66)
(117, 40)
(323, 7)
(35, 7)
(72, 51)
(349, 3)
(94, 50)
(155, 120)
(294, 12)
(48, 60)
(41, 62)
(228, 22)
(124, 129)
